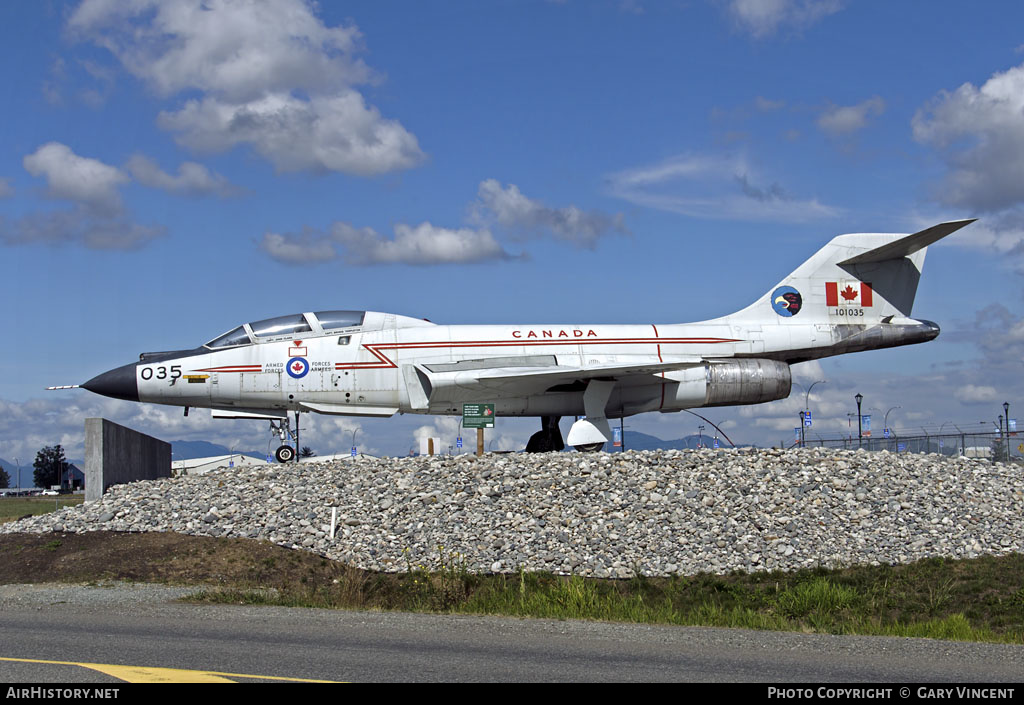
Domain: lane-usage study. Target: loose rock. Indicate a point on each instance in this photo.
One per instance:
(658, 512)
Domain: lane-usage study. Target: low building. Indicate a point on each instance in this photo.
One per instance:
(201, 466)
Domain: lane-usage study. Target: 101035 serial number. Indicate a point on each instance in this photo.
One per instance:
(846, 312)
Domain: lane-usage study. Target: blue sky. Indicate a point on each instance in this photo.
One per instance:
(169, 170)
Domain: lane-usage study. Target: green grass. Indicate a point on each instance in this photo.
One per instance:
(13, 508)
(979, 599)
(973, 600)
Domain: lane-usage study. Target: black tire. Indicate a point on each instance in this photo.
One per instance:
(589, 447)
(285, 454)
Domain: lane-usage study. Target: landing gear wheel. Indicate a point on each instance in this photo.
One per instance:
(548, 439)
(285, 454)
(589, 447)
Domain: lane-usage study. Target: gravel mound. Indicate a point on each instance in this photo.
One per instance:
(605, 515)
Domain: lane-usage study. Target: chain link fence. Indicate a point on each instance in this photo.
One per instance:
(972, 441)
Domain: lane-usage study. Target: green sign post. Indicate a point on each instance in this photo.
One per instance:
(478, 415)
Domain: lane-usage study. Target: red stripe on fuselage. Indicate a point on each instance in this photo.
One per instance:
(384, 362)
(233, 368)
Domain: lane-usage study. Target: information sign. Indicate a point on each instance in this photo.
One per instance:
(478, 415)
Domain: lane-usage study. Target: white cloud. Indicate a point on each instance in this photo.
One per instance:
(424, 244)
(510, 208)
(429, 244)
(307, 247)
(766, 105)
(448, 428)
(979, 133)
(1000, 233)
(420, 245)
(270, 75)
(192, 179)
(839, 120)
(763, 18)
(78, 226)
(715, 187)
(96, 218)
(335, 133)
(974, 394)
(87, 182)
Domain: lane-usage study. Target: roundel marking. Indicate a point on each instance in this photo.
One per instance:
(297, 367)
(787, 301)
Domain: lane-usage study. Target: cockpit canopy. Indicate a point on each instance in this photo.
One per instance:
(296, 324)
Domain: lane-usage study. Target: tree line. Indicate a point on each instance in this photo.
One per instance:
(49, 467)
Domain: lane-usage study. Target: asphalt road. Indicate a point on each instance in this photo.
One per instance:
(137, 626)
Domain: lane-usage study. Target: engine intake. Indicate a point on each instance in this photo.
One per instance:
(746, 381)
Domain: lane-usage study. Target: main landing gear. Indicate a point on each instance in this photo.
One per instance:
(548, 438)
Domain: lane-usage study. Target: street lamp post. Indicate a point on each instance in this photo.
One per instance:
(859, 398)
(806, 411)
(1001, 440)
(885, 423)
(1006, 415)
(700, 436)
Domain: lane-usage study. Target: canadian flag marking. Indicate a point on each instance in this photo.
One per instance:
(849, 293)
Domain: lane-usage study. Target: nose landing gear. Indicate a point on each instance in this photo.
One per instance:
(282, 429)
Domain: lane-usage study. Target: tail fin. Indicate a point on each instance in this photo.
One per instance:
(861, 278)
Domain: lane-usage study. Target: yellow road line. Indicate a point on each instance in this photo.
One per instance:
(146, 674)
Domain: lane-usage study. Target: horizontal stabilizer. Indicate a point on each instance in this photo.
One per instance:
(908, 245)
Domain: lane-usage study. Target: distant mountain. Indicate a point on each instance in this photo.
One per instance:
(186, 450)
(12, 472)
(643, 441)
(11, 469)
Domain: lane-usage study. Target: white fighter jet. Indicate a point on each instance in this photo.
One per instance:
(854, 294)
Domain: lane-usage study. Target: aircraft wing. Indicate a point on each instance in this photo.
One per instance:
(563, 374)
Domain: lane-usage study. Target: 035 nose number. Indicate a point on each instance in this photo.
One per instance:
(173, 372)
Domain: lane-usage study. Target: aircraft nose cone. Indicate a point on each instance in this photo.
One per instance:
(119, 383)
